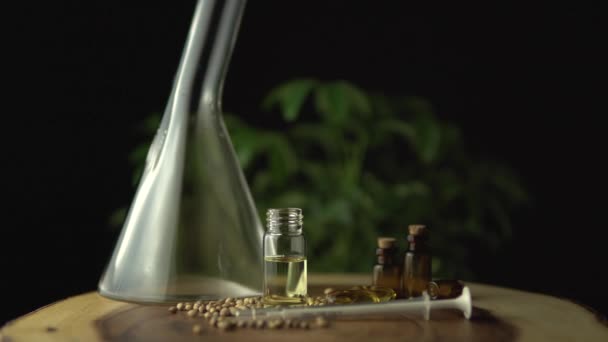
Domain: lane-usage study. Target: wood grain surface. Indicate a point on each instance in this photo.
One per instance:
(500, 314)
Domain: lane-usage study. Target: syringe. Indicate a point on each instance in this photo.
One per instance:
(418, 306)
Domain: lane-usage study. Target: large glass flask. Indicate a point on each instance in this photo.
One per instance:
(192, 231)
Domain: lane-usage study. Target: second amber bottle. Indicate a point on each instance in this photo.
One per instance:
(417, 262)
(387, 270)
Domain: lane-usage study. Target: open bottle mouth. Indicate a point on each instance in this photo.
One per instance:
(284, 219)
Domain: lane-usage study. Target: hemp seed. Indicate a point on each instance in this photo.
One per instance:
(321, 322)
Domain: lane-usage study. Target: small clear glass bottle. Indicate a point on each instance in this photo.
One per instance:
(285, 280)
(417, 263)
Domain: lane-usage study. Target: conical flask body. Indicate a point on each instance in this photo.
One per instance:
(192, 231)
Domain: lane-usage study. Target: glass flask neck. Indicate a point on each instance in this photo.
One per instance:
(285, 221)
(207, 54)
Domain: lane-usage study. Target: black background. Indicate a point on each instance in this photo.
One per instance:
(525, 83)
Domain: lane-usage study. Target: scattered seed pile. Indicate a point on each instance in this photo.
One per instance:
(223, 314)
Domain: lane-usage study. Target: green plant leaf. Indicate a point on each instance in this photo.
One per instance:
(292, 199)
(399, 127)
(251, 144)
(137, 173)
(338, 101)
(138, 155)
(243, 138)
(117, 218)
(282, 160)
(330, 103)
(357, 100)
(427, 138)
(381, 105)
(290, 96)
(323, 136)
(413, 188)
(150, 124)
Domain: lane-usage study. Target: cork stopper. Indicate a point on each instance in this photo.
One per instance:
(417, 229)
(386, 242)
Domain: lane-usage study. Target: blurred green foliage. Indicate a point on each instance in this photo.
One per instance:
(364, 165)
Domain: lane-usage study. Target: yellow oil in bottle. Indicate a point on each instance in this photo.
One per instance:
(285, 279)
(362, 294)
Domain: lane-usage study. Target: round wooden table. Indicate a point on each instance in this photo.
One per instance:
(500, 314)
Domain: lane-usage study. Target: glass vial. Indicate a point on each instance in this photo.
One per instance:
(285, 279)
(445, 288)
(417, 263)
(387, 270)
(192, 231)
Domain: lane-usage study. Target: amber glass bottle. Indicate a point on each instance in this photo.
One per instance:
(417, 262)
(387, 271)
(445, 288)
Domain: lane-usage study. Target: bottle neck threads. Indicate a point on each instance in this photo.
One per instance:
(284, 221)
